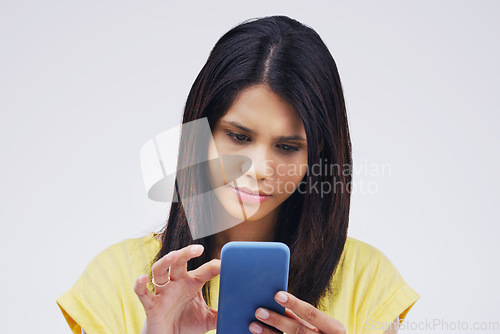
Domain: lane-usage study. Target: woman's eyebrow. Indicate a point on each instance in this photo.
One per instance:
(239, 126)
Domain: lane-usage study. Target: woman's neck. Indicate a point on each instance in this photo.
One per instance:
(258, 230)
(263, 229)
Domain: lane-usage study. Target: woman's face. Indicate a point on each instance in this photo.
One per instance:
(262, 145)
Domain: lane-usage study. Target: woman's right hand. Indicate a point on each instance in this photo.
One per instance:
(179, 306)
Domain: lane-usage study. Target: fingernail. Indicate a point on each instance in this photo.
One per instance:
(281, 297)
(262, 313)
(196, 248)
(255, 328)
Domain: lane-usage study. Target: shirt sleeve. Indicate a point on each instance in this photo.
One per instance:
(93, 302)
(390, 296)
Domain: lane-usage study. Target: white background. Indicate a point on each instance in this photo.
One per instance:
(84, 85)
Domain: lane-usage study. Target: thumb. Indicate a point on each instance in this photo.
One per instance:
(206, 271)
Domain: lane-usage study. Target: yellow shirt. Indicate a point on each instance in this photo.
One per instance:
(370, 292)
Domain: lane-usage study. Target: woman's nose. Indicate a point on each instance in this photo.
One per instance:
(259, 164)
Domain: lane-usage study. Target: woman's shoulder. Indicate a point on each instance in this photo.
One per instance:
(354, 243)
(131, 247)
(149, 243)
(362, 254)
(125, 259)
(106, 285)
(365, 264)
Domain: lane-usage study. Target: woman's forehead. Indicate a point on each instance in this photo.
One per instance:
(260, 109)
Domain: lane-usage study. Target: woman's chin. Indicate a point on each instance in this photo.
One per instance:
(240, 210)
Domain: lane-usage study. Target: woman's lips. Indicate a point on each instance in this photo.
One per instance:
(246, 197)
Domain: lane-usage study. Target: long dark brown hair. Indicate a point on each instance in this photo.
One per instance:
(294, 62)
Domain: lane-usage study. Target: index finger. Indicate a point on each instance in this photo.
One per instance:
(308, 312)
(181, 257)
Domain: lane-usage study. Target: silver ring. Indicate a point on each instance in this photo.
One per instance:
(164, 284)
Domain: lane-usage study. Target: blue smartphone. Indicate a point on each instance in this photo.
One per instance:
(251, 273)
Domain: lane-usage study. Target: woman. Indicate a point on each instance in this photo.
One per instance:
(272, 96)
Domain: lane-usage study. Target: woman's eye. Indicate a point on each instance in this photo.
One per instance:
(289, 148)
(237, 137)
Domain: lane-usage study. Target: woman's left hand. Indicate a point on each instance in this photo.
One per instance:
(300, 317)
